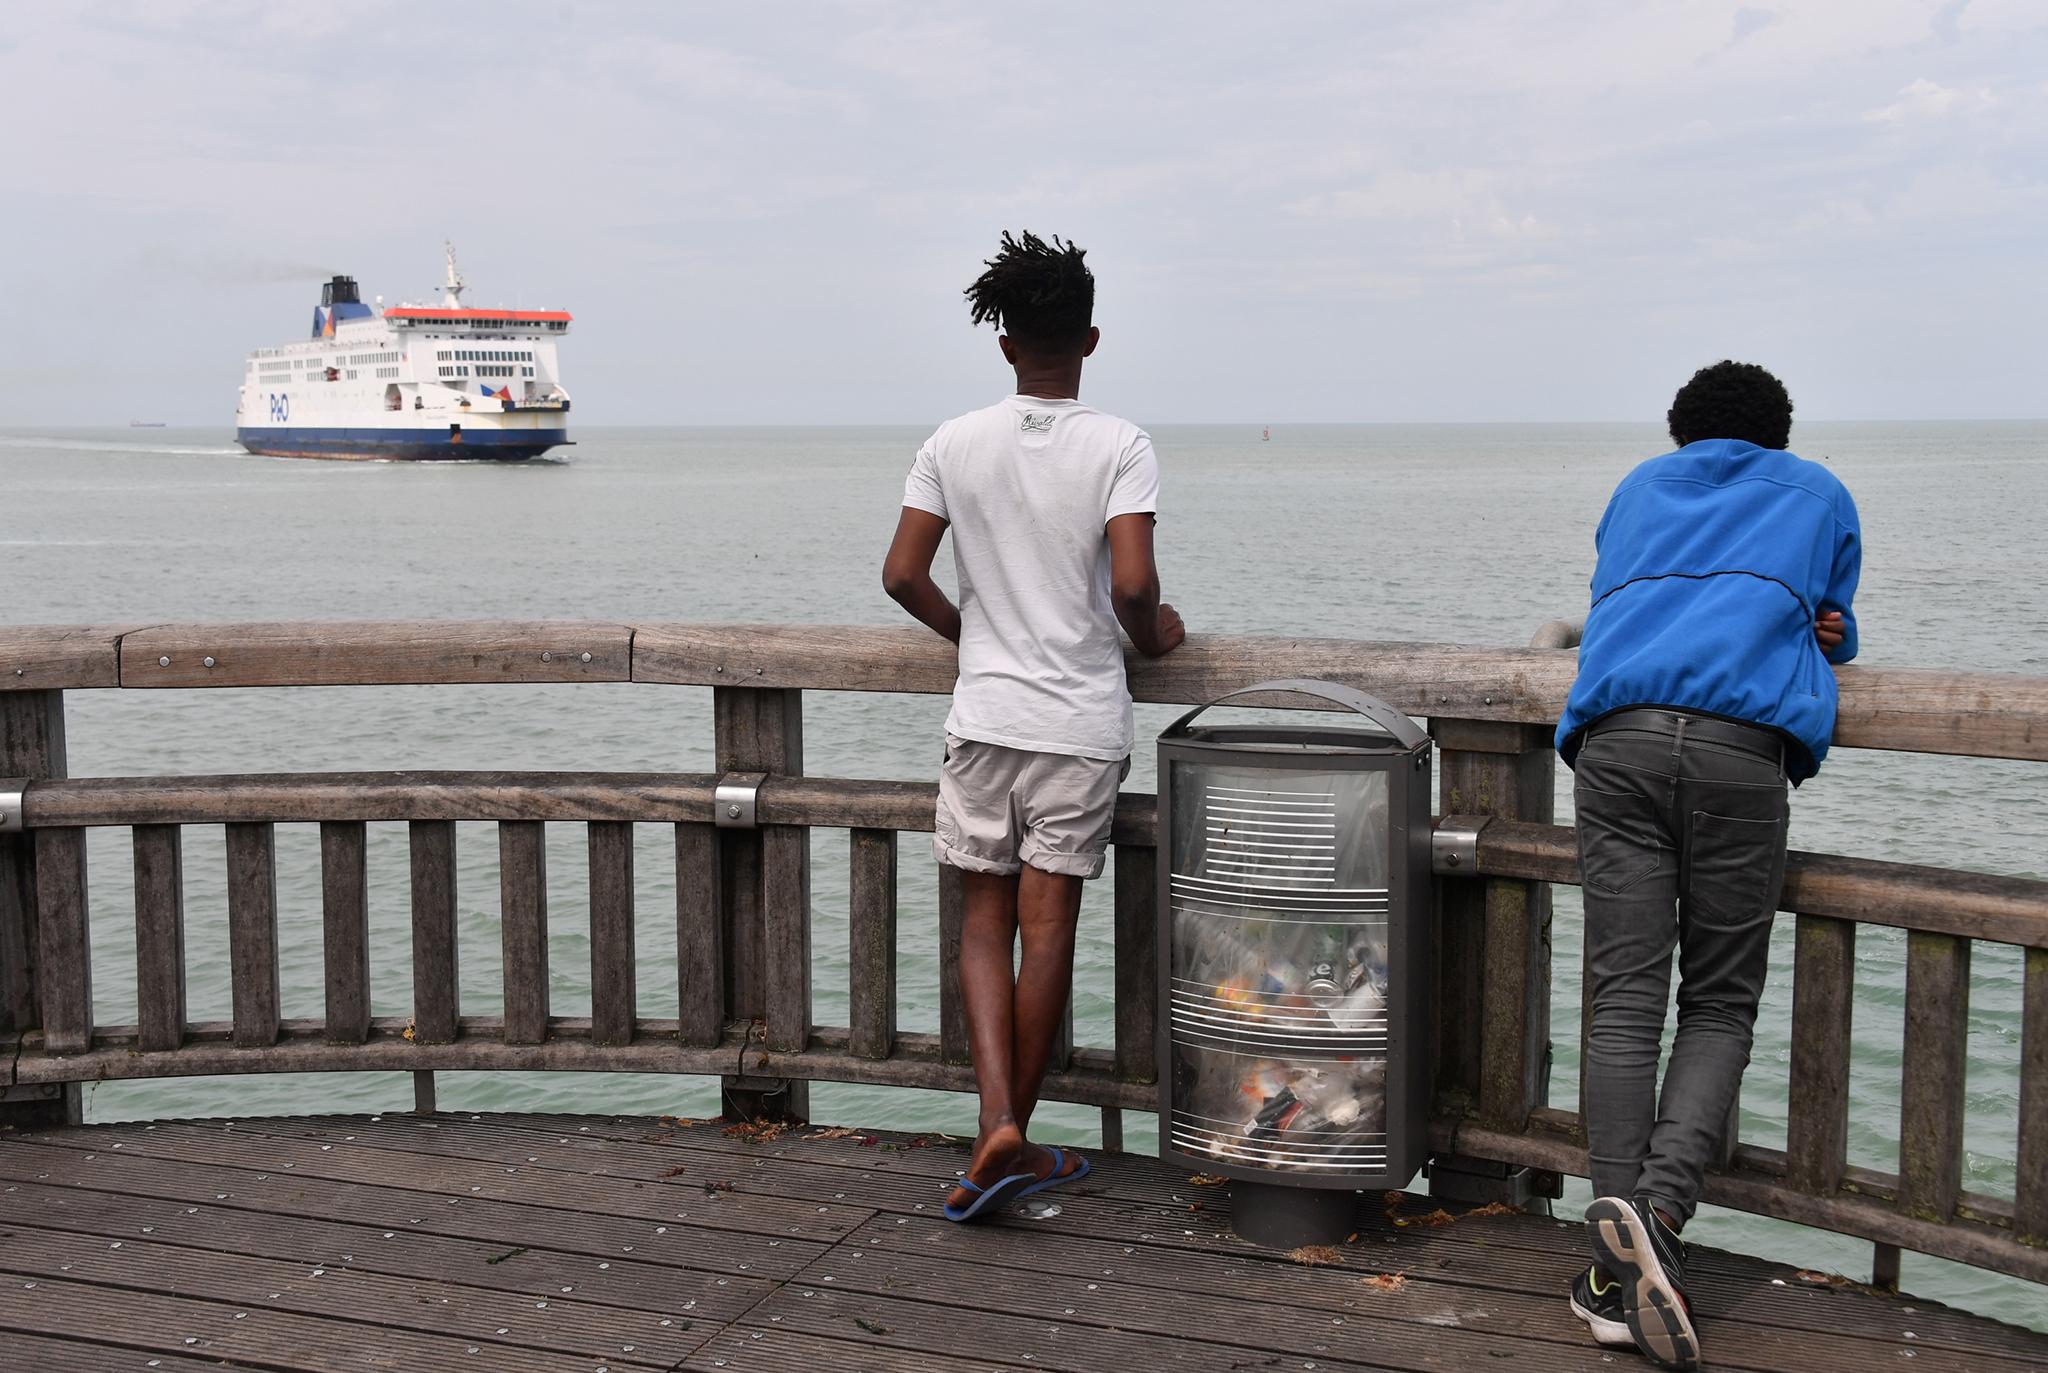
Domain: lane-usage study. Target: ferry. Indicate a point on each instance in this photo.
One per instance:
(409, 382)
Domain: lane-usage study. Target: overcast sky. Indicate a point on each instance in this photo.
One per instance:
(766, 213)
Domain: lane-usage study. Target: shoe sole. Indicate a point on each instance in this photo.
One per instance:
(1607, 1332)
(1656, 1315)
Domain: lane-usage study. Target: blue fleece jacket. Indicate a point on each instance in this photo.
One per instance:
(1713, 563)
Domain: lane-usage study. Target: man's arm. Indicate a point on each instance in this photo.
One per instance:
(1835, 624)
(907, 572)
(1134, 588)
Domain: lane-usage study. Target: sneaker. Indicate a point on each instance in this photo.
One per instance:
(1596, 1300)
(1632, 1242)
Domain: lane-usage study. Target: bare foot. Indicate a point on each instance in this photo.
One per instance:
(1039, 1160)
(998, 1152)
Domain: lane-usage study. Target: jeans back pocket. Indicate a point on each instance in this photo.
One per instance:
(1619, 839)
(1736, 868)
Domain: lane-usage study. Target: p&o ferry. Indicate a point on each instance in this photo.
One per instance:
(409, 381)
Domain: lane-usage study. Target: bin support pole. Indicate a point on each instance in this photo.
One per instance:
(1493, 949)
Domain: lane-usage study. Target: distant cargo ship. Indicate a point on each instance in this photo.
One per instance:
(145, 424)
(409, 382)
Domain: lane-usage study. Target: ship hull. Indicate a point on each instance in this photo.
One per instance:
(400, 445)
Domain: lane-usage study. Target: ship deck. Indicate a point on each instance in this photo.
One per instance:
(532, 1242)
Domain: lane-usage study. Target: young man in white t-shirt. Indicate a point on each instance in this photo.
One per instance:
(1051, 504)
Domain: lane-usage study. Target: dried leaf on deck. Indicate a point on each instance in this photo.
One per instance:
(872, 1327)
(1386, 1282)
(1207, 1180)
(757, 1131)
(1814, 1278)
(1315, 1256)
(1494, 1208)
(836, 1132)
(1428, 1222)
(674, 1172)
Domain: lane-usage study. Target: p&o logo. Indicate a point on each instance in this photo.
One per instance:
(280, 408)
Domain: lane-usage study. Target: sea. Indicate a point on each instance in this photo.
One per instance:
(1470, 534)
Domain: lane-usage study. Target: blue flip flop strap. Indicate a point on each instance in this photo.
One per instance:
(971, 1185)
(1059, 1162)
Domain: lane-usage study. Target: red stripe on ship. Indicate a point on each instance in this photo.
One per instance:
(521, 316)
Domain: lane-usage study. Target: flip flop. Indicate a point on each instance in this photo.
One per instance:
(1056, 1177)
(989, 1199)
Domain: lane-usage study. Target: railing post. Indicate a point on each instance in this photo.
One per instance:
(762, 730)
(31, 748)
(1493, 950)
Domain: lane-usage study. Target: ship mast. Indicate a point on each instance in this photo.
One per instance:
(454, 285)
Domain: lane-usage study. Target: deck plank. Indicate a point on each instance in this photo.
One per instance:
(1127, 1201)
(431, 1237)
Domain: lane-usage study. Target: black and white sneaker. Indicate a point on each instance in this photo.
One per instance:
(1596, 1300)
(1632, 1242)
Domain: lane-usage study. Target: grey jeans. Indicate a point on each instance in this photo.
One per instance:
(1681, 825)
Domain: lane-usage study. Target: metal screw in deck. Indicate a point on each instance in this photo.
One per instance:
(163, 662)
(547, 657)
(206, 662)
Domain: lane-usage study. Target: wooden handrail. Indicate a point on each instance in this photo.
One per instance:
(1972, 714)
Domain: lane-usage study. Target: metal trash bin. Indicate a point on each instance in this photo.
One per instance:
(1295, 959)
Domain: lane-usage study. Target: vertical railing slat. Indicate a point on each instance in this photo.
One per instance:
(159, 936)
(31, 750)
(64, 941)
(871, 939)
(523, 928)
(1936, 1060)
(952, 1009)
(2030, 1205)
(345, 928)
(613, 1000)
(436, 989)
(1494, 960)
(252, 932)
(765, 875)
(786, 912)
(1137, 962)
(700, 951)
(1823, 999)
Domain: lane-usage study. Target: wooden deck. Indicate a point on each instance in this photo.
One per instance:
(511, 1242)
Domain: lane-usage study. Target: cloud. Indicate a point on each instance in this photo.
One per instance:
(1925, 100)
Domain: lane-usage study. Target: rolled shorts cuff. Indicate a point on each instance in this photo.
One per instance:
(972, 862)
(1082, 865)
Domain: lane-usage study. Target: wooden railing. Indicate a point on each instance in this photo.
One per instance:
(744, 912)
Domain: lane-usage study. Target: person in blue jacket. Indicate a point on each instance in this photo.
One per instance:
(1721, 595)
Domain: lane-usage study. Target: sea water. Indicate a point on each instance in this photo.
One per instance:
(1450, 533)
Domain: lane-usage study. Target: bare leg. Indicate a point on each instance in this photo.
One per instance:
(988, 936)
(1048, 906)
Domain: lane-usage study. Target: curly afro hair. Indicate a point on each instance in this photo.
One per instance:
(1042, 294)
(1732, 400)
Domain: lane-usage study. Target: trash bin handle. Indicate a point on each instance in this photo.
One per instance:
(1404, 730)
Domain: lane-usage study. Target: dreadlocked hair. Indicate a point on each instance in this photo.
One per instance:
(1040, 293)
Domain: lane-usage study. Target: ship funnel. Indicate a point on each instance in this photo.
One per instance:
(340, 291)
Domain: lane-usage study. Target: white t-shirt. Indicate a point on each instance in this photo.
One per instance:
(1028, 485)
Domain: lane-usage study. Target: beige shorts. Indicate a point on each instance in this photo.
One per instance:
(1000, 808)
